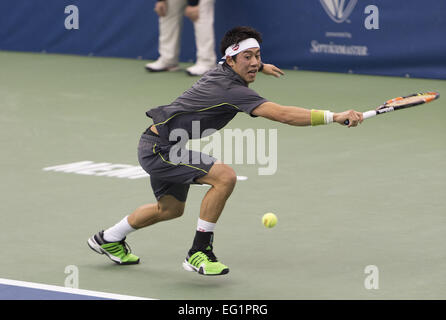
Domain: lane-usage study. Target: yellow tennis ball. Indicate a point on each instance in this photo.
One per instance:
(269, 220)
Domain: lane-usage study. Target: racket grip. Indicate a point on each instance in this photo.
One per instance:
(365, 115)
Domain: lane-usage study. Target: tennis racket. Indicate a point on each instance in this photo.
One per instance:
(400, 103)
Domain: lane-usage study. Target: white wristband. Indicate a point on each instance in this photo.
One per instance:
(328, 117)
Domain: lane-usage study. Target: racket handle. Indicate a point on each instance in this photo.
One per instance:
(365, 115)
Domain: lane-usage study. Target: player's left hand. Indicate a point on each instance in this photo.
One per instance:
(272, 70)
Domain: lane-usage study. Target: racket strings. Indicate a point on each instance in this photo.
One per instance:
(411, 100)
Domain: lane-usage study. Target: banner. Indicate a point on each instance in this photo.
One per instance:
(382, 37)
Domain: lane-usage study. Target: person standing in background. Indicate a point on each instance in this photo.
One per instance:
(170, 12)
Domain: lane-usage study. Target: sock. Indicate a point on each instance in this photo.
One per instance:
(119, 231)
(205, 226)
(202, 241)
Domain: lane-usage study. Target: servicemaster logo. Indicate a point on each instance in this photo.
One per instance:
(338, 10)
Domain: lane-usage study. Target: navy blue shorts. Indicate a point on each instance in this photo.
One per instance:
(171, 173)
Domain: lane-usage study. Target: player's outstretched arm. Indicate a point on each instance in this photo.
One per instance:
(272, 70)
(297, 116)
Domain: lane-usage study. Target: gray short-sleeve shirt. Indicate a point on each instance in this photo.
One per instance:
(213, 101)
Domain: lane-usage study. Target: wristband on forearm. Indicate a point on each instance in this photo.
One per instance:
(319, 117)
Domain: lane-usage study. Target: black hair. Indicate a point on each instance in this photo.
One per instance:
(237, 34)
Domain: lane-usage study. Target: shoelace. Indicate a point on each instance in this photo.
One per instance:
(126, 247)
(210, 254)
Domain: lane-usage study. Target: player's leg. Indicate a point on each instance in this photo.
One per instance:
(196, 167)
(201, 257)
(222, 179)
(171, 202)
(169, 40)
(167, 208)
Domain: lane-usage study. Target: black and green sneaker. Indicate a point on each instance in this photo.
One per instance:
(119, 252)
(204, 262)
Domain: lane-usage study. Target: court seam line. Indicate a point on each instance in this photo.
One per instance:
(41, 286)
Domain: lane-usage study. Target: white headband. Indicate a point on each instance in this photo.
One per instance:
(241, 46)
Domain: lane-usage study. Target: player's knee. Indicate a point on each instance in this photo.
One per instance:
(228, 177)
(170, 212)
(220, 176)
(175, 212)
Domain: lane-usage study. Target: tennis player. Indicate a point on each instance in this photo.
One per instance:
(214, 100)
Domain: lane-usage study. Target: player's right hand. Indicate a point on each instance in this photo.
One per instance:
(353, 117)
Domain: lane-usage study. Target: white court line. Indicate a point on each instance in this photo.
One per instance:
(48, 287)
(90, 168)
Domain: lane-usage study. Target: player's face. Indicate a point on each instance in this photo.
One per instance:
(247, 64)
